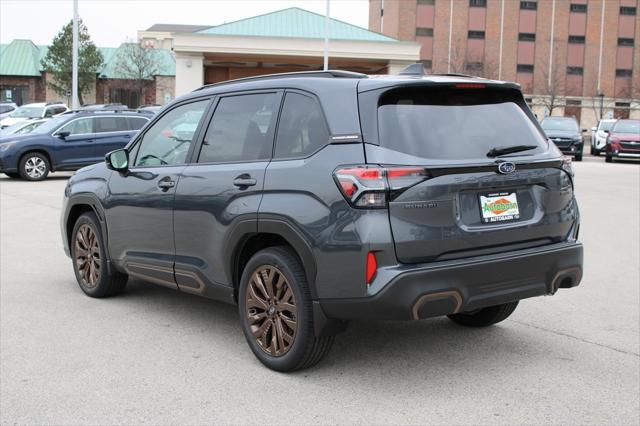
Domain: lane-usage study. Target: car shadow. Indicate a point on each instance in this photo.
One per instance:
(433, 347)
(6, 179)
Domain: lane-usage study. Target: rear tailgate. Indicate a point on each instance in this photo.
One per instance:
(467, 204)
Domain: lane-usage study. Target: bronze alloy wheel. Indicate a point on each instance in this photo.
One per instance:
(271, 310)
(87, 256)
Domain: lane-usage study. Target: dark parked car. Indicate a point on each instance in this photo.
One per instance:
(623, 140)
(312, 199)
(67, 142)
(566, 134)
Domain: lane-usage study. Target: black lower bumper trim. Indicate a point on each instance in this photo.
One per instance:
(465, 286)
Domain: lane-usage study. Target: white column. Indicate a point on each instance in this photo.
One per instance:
(189, 72)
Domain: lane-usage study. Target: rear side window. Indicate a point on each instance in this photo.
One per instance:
(136, 123)
(110, 124)
(302, 129)
(6, 108)
(448, 123)
(241, 129)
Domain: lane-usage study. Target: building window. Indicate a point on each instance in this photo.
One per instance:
(478, 3)
(574, 70)
(529, 5)
(580, 8)
(627, 10)
(429, 2)
(424, 32)
(525, 68)
(476, 34)
(576, 39)
(625, 42)
(474, 66)
(527, 37)
(427, 63)
(623, 73)
(623, 105)
(572, 102)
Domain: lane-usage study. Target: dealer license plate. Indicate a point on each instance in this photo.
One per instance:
(499, 207)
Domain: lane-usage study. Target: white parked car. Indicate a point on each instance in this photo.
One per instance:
(599, 135)
(22, 127)
(6, 108)
(36, 110)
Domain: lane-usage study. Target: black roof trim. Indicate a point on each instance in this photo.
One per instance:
(321, 74)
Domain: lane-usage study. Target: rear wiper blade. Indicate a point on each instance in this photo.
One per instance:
(498, 151)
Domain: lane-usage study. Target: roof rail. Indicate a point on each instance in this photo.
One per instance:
(93, 111)
(54, 103)
(324, 74)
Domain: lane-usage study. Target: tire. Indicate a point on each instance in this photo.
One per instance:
(596, 152)
(486, 316)
(592, 151)
(608, 159)
(94, 279)
(300, 348)
(34, 166)
(578, 157)
(13, 175)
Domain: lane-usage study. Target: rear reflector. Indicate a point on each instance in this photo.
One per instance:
(372, 267)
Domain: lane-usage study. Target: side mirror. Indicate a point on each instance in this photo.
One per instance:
(117, 160)
(63, 135)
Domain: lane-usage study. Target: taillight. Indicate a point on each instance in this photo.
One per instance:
(372, 267)
(372, 186)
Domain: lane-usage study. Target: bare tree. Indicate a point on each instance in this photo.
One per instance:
(552, 88)
(460, 62)
(136, 67)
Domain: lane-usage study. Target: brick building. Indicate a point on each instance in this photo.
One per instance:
(572, 57)
(22, 79)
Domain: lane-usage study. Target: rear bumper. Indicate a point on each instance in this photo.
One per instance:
(459, 286)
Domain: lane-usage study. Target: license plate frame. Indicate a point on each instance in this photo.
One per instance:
(499, 207)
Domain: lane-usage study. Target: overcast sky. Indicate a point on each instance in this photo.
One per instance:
(111, 22)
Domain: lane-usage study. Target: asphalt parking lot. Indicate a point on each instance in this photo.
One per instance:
(155, 356)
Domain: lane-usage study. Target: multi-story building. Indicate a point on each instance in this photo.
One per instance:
(572, 57)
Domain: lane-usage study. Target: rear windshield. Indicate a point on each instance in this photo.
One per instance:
(624, 126)
(440, 123)
(551, 124)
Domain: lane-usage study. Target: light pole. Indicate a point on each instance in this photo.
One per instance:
(74, 60)
(327, 27)
(601, 95)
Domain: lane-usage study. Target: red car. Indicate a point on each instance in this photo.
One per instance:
(624, 140)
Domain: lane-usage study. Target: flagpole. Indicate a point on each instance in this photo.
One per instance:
(74, 66)
(326, 38)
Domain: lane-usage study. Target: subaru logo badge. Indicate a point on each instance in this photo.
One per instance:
(506, 168)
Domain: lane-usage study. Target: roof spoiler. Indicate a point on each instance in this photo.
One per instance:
(413, 69)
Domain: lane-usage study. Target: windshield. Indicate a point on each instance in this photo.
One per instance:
(606, 125)
(454, 124)
(624, 126)
(550, 124)
(27, 112)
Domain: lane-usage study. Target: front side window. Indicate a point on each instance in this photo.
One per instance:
(167, 142)
(81, 126)
(302, 129)
(241, 129)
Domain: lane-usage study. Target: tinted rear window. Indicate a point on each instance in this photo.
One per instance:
(450, 123)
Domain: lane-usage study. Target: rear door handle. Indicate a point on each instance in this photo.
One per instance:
(166, 184)
(244, 181)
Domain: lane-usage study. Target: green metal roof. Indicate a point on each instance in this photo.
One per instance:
(22, 58)
(297, 23)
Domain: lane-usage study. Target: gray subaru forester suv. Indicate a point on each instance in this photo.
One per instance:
(311, 199)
